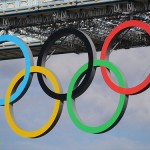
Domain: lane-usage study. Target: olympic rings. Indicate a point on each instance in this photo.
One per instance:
(75, 89)
(28, 62)
(105, 55)
(90, 48)
(71, 104)
(55, 114)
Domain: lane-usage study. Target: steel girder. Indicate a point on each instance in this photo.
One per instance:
(96, 20)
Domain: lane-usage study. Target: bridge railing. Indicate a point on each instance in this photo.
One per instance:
(16, 6)
(8, 7)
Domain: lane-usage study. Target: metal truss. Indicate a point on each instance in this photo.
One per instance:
(96, 20)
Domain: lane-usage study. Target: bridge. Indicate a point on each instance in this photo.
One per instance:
(35, 20)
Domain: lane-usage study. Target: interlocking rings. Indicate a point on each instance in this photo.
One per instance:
(85, 73)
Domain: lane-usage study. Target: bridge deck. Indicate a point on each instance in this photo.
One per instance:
(33, 21)
(13, 7)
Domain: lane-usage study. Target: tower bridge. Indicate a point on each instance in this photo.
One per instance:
(35, 20)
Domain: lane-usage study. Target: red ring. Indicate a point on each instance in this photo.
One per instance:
(116, 88)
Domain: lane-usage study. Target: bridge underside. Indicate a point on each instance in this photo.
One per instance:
(97, 20)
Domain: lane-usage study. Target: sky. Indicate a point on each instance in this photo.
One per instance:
(95, 106)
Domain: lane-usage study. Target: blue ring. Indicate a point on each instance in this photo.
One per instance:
(26, 54)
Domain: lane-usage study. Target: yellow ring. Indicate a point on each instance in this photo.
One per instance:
(55, 114)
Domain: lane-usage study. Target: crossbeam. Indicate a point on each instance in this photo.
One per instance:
(96, 17)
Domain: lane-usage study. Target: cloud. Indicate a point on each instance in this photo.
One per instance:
(106, 143)
(95, 106)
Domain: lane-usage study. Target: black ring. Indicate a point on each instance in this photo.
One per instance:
(91, 50)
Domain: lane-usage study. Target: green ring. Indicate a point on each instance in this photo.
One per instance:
(119, 111)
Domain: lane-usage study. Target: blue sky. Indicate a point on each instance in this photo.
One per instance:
(95, 106)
